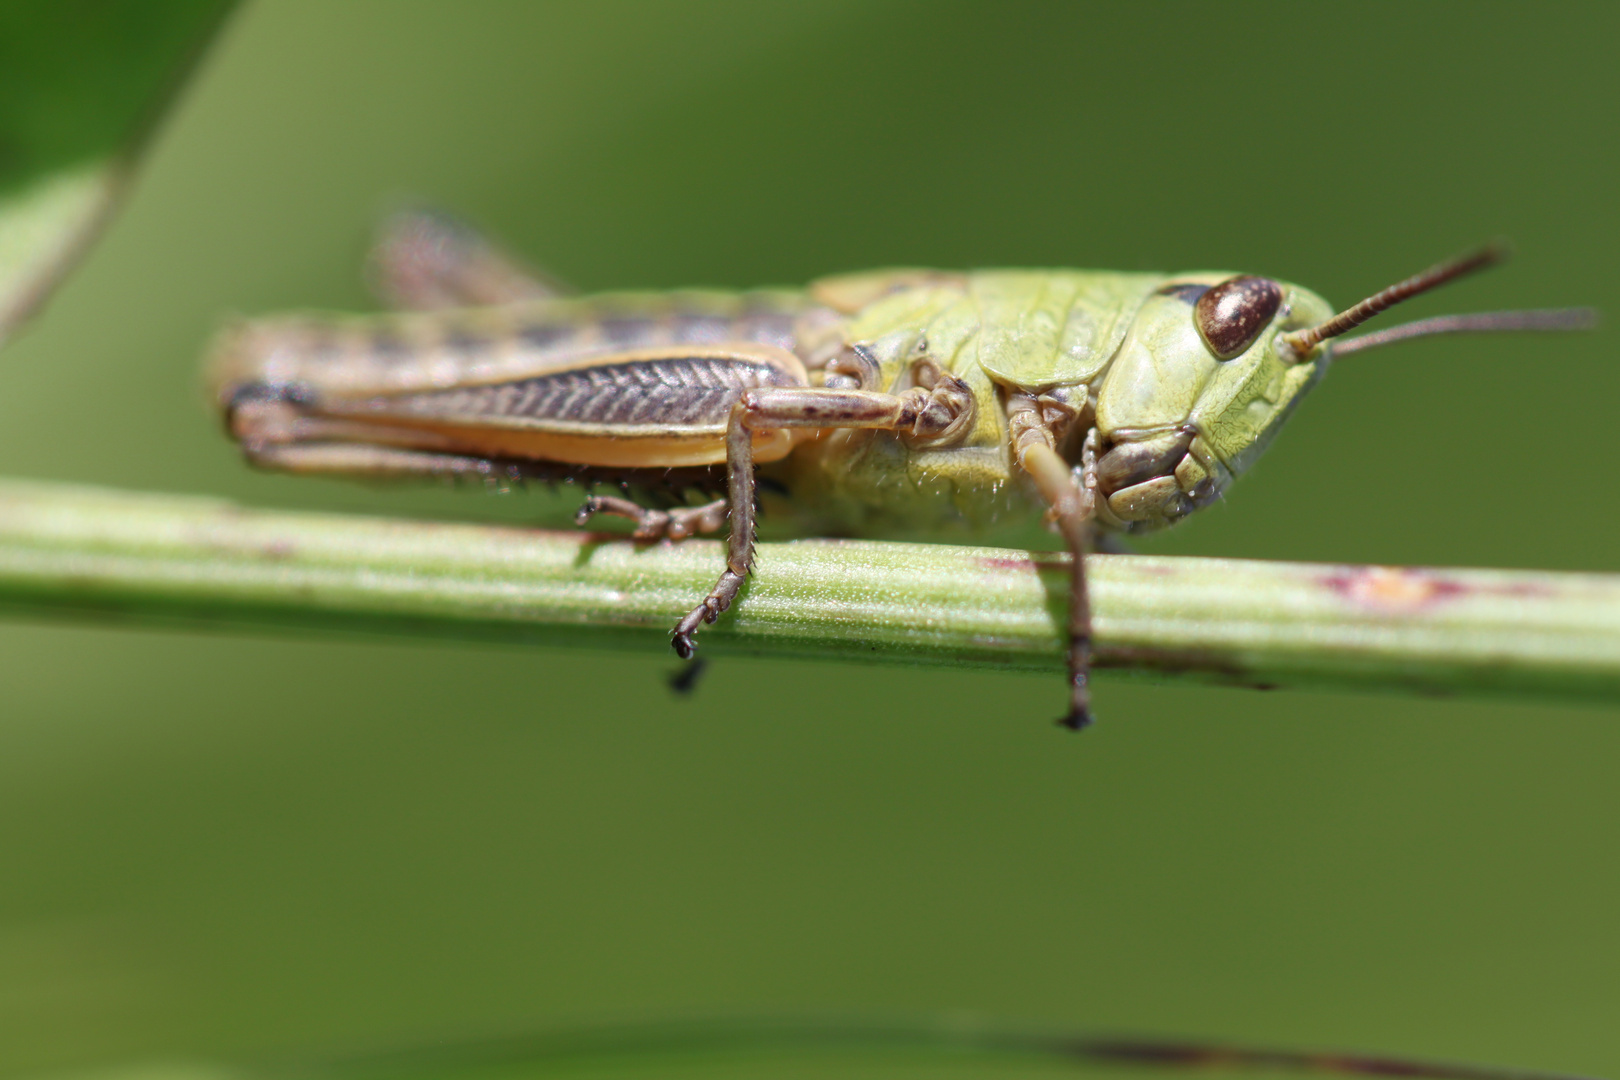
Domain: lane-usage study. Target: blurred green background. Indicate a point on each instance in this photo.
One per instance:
(217, 847)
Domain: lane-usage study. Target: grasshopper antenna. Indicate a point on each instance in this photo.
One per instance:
(1303, 341)
(1483, 322)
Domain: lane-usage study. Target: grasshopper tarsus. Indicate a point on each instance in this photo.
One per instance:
(684, 639)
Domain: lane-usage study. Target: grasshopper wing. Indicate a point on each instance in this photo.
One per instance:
(663, 407)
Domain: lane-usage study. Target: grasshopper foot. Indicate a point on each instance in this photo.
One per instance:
(684, 640)
(1079, 716)
(674, 524)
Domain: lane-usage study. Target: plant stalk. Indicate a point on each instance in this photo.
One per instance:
(204, 563)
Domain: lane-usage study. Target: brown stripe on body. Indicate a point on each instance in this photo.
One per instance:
(767, 323)
(400, 353)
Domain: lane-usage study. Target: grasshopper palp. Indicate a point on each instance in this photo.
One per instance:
(892, 401)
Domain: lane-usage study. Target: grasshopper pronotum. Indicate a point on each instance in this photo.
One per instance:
(1111, 402)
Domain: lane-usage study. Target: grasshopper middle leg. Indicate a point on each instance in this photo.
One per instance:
(926, 413)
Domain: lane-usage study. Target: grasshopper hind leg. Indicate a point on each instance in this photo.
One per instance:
(425, 260)
(279, 434)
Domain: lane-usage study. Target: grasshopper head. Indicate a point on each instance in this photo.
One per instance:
(1198, 388)
(1214, 363)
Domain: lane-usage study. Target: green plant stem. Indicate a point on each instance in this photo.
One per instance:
(180, 560)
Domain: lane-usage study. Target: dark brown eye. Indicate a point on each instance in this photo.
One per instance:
(1232, 314)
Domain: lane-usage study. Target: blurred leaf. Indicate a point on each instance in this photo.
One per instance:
(785, 1047)
(82, 82)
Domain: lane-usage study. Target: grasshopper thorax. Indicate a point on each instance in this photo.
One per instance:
(1196, 391)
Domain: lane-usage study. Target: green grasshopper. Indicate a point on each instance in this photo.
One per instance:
(896, 400)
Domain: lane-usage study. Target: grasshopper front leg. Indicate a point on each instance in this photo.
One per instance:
(923, 413)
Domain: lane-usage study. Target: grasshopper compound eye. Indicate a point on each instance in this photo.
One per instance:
(1232, 314)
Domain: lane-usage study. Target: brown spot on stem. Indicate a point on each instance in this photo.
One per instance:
(1039, 561)
(1393, 588)
(1008, 562)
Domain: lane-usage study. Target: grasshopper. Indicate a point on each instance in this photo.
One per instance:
(870, 403)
